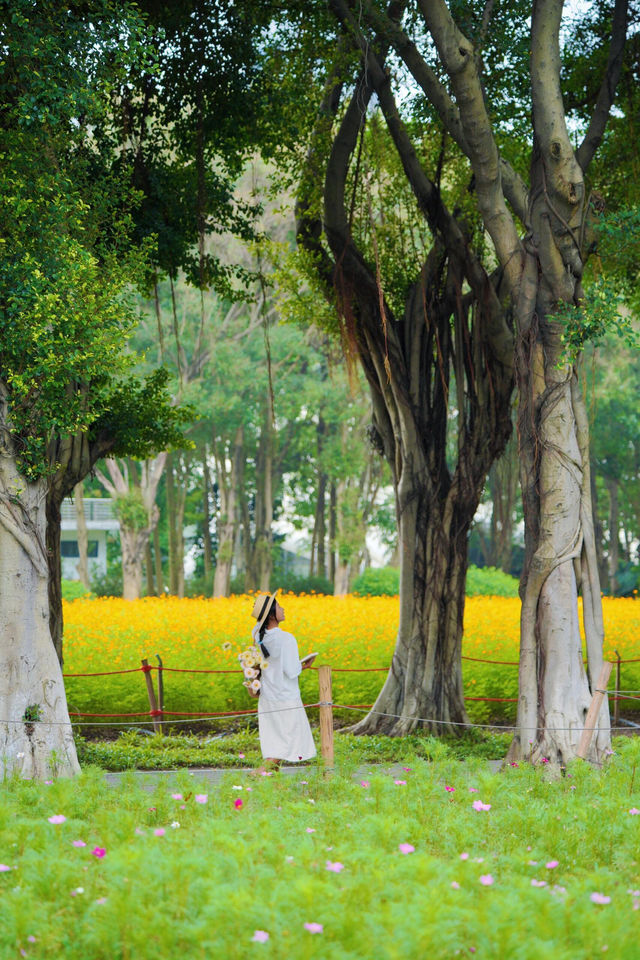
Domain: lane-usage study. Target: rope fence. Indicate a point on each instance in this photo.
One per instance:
(158, 714)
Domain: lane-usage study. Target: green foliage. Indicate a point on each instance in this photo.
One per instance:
(138, 750)
(481, 581)
(131, 511)
(67, 267)
(32, 713)
(377, 582)
(290, 583)
(74, 589)
(490, 582)
(72, 904)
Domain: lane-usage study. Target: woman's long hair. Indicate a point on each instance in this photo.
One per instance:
(263, 628)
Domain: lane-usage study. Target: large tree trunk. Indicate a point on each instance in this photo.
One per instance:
(425, 679)
(555, 691)
(31, 684)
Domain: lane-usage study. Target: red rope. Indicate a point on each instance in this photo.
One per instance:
(505, 663)
(356, 669)
(107, 673)
(494, 699)
(77, 713)
(182, 670)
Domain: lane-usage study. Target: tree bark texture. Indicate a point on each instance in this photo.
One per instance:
(445, 341)
(134, 497)
(83, 539)
(36, 738)
(228, 470)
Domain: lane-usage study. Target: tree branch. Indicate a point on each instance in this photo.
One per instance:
(606, 95)
(456, 54)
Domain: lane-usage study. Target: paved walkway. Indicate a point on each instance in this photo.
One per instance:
(150, 778)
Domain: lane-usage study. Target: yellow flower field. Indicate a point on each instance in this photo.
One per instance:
(348, 632)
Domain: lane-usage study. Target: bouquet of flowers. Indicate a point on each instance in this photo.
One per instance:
(252, 663)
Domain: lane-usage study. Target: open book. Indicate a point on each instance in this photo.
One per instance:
(310, 657)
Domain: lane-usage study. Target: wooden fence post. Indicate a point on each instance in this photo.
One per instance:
(599, 694)
(153, 703)
(160, 689)
(326, 715)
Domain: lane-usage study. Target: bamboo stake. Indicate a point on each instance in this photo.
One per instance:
(153, 703)
(616, 706)
(326, 715)
(599, 694)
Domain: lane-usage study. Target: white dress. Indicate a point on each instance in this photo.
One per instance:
(285, 733)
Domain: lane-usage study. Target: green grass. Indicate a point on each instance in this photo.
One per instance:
(202, 888)
(136, 751)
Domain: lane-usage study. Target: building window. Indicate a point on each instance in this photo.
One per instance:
(69, 548)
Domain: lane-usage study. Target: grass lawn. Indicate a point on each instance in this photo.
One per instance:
(445, 860)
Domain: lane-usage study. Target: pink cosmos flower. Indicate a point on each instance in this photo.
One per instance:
(464, 856)
(201, 797)
(514, 764)
(238, 803)
(159, 832)
(79, 843)
(177, 796)
(57, 818)
(538, 883)
(406, 848)
(455, 885)
(241, 755)
(599, 898)
(101, 901)
(336, 867)
(31, 938)
(99, 852)
(634, 811)
(407, 769)
(400, 783)
(314, 927)
(4, 868)
(486, 880)
(552, 864)
(479, 805)
(545, 760)
(311, 830)
(260, 936)
(365, 784)
(473, 789)
(450, 789)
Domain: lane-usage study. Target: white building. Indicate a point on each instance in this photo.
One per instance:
(100, 520)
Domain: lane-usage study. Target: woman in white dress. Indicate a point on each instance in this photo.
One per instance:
(285, 733)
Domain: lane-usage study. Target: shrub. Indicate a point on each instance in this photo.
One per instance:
(72, 589)
(380, 582)
(490, 582)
